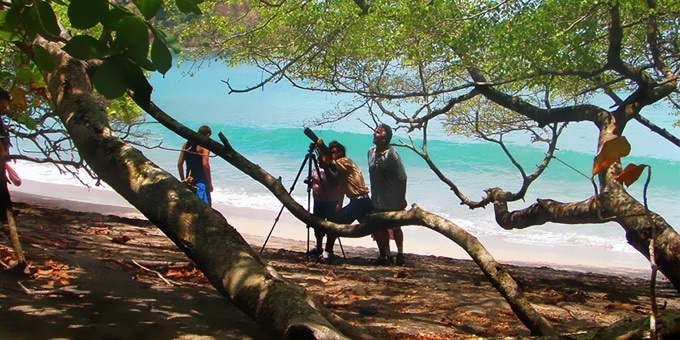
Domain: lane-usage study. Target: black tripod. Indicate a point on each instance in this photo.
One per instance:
(309, 160)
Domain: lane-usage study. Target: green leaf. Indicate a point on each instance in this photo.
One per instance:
(169, 40)
(86, 47)
(140, 86)
(24, 75)
(43, 59)
(113, 18)
(9, 36)
(146, 64)
(133, 37)
(9, 21)
(13, 18)
(160, 55)
(110, 78)
(26, 120)
(189, 6)
(117, 74)
(86, 14)
(48, 19)
(29, 22)
(149, 8)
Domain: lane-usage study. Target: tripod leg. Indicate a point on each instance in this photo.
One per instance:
(342, 250)
(307, 253)
(271, 230)
(310, 157)
(302, 166)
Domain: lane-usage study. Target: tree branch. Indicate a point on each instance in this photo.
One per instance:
(658, 130)
(543, 117)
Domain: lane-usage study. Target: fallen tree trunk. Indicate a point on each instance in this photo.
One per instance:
(203, 234)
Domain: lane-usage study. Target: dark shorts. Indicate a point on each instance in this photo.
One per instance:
(356, 210)
(325, 210)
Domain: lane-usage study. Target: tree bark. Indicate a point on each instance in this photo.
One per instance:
(16, 243)
(202, 233)
(612, 205)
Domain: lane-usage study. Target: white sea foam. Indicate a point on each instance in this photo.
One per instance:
(242, 199)
(545, 235)
(49, 173)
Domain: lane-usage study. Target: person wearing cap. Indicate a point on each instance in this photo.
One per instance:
(5, 199)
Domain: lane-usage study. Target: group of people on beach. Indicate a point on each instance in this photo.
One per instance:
(337, 176)
(340, 176)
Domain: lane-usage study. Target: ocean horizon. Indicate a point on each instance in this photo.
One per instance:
(266, 126)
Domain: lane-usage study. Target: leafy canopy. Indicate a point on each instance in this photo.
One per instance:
(118, 38)
(115, 32)
(543, 51)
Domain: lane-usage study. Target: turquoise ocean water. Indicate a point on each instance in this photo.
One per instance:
(266, 126)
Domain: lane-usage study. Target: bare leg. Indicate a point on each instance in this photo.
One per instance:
(319, 242)
(330, 243)
(399, 239)
(382, 238)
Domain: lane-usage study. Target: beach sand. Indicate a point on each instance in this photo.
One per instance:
(98, 271)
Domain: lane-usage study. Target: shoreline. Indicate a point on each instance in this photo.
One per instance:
(258, 224)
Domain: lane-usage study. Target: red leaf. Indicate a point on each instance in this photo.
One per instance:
(612, 151)
(630, 174)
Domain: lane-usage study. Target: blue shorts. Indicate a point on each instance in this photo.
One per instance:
(202, 193)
